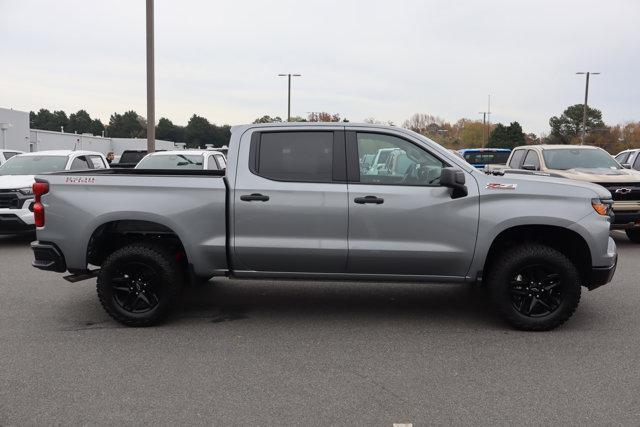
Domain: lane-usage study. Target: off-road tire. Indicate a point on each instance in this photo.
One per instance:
(167, 283)
(504, 278)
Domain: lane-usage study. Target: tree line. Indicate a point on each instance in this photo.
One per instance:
(197, 133)
(566, 128)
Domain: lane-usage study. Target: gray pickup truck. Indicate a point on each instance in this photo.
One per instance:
(297, 201)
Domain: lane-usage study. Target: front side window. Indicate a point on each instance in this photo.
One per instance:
(296, 156)
(171, 161)
(622, 158)
(516, 159)
(386, 159)
(80, 163)
(33, 165)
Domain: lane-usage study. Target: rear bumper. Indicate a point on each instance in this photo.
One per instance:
(623, 220)
(47, 256)
(15, 222)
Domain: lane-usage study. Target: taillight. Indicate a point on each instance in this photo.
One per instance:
(39, 188)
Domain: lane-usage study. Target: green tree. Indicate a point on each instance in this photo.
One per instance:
(127, 125)
(506, 136)
(198, 132)
(46, 120)
(221, 135)
(566, 128)
(79, 122)
(97, 127)
(168, 131)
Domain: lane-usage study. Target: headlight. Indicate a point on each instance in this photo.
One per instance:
(26, 191)
(603, 207)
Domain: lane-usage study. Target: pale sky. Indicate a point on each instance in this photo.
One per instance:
(382, 59)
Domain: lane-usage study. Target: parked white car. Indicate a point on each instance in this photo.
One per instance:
(17, 178)
(184, 159)
(629, 159)
(7, 154)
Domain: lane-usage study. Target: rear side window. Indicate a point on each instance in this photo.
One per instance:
(9, 154)
(516, 159)
(295, 156)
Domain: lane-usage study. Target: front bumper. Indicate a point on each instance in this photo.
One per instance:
(601, 275)
(48, 257)
(10, 223)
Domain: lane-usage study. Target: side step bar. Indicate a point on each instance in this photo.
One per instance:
(73, 278)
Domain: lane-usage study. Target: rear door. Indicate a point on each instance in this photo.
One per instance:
(401, 221)
(290, 202)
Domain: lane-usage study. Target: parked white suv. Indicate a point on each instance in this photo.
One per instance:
(184, 159)
(16, 180)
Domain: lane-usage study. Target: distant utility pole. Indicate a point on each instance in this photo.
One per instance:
(289, 93)
(484, 126)
(584, 109)
(151, 89)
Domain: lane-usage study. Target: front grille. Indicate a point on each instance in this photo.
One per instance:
(9, 201)
(623, 191)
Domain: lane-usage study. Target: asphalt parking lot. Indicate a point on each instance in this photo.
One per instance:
(274, 353)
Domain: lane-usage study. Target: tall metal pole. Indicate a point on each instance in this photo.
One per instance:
(484, 126)
(584, 108)
(151, 92)
(289, 75)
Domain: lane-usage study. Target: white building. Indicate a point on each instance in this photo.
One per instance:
(16, 135)
(14, 129)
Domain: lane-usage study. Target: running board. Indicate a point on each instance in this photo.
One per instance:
(73, 278)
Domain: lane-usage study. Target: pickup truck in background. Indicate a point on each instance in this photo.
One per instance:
(184, 159)
(629, 159)
(587, 164)
(296, 203)
(17, 178)
(480, 157)
(130, 158)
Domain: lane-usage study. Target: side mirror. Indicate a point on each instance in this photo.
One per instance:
(626, 165)
(529, 167)
(454, 179)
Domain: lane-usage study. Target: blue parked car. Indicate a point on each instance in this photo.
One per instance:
(479, 157)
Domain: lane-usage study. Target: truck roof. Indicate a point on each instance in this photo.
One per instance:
(479, 150)
(195, 152)
(559, 147)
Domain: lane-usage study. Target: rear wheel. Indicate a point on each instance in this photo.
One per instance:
(139, 284)
(633, 234)
(535, 287)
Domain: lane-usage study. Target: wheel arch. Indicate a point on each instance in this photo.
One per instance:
(566, 241)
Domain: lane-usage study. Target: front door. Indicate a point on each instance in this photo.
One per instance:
(401, 221)
(290, 203)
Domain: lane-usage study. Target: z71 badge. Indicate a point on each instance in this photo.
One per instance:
(499, 186)
(80, 180)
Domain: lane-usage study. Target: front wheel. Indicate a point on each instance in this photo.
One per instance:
(535, 287)
(633, 234)
(139, 284)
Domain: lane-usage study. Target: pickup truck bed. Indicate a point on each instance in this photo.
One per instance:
(299, 202)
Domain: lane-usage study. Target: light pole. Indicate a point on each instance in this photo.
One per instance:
(4, 127)
(289, 92)
(151, 92)
(484, 125)
(586, 98)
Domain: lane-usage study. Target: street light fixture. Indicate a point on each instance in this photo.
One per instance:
(289, 92)
(586, 98)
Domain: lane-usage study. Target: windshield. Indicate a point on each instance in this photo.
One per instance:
(33, 165)
(171, 161)
(487, 157)
(573, 158)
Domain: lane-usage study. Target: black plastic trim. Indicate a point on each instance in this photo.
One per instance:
(600, 276)
(47, 256)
